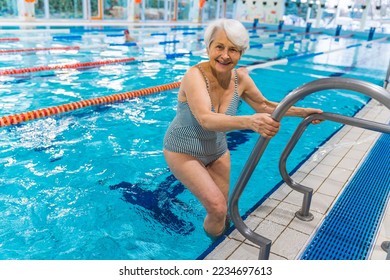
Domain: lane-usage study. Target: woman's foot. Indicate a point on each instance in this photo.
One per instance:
(226, 227)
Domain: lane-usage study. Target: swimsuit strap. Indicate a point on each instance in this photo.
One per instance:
(235, 81)
(207, 80)
(235, 94)
(205, 77)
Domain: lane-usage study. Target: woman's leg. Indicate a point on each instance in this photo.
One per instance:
(198, 179)
(220, 172)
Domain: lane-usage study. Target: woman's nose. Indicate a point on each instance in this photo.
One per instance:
(225, 53)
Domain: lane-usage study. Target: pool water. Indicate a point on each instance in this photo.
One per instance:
(93, 183)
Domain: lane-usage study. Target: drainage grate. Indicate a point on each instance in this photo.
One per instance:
(349, 230)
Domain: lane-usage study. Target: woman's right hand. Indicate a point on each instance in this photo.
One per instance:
(263, 124)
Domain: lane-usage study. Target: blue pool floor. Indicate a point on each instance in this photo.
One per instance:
(327, 171)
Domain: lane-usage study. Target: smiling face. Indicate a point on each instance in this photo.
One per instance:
(223, 54)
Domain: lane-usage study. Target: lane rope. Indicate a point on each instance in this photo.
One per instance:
(30, 31)
(97, 63)
(166, 56)
(74, 37)
(295, 41)
(166, 42)
(55, 110)
(307, 55)
(64, 66)
(3, 51)
(9, 39)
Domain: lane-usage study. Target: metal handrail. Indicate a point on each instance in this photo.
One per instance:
(303, 213)
(386, 247)
(374, 91)
(386, 81)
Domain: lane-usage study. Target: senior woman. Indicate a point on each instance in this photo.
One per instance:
(195, 146)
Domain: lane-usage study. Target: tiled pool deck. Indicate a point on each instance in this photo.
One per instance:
(327, 172)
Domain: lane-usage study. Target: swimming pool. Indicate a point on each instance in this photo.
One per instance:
(93, 183)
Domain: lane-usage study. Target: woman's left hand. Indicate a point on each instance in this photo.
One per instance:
(310, 111)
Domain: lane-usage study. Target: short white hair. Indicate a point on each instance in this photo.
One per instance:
(235, 31)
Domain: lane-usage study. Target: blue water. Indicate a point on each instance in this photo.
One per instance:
(93, 184)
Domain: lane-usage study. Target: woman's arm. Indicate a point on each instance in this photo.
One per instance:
(194, 88)
(252, 95)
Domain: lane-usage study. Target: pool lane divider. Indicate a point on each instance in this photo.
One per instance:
(160, 57)
(40, 113)
(295, 41)
(31, 31)
(128, 44)
(56, 110)
(65, 66)
(3, 51)
(140, 44)
(171, 56)
(9, 39)
(54, 38)
(286, 60)
(61, 37)
(286, 34)
(94, 63)
(298, 41)
(73, 37)
(185, 28)
(277, 30)
(160, 28)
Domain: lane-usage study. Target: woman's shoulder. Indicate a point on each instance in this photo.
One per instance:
(243, 75)
(242, 72)
(245, 81)
(194, 75)
(195, 71)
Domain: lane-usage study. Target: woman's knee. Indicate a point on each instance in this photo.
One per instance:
(217, 208)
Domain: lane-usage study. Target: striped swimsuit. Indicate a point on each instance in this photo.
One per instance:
(186, 136)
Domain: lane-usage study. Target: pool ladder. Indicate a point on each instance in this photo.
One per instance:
(369, 89)
(386, 81)
(386, 247)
